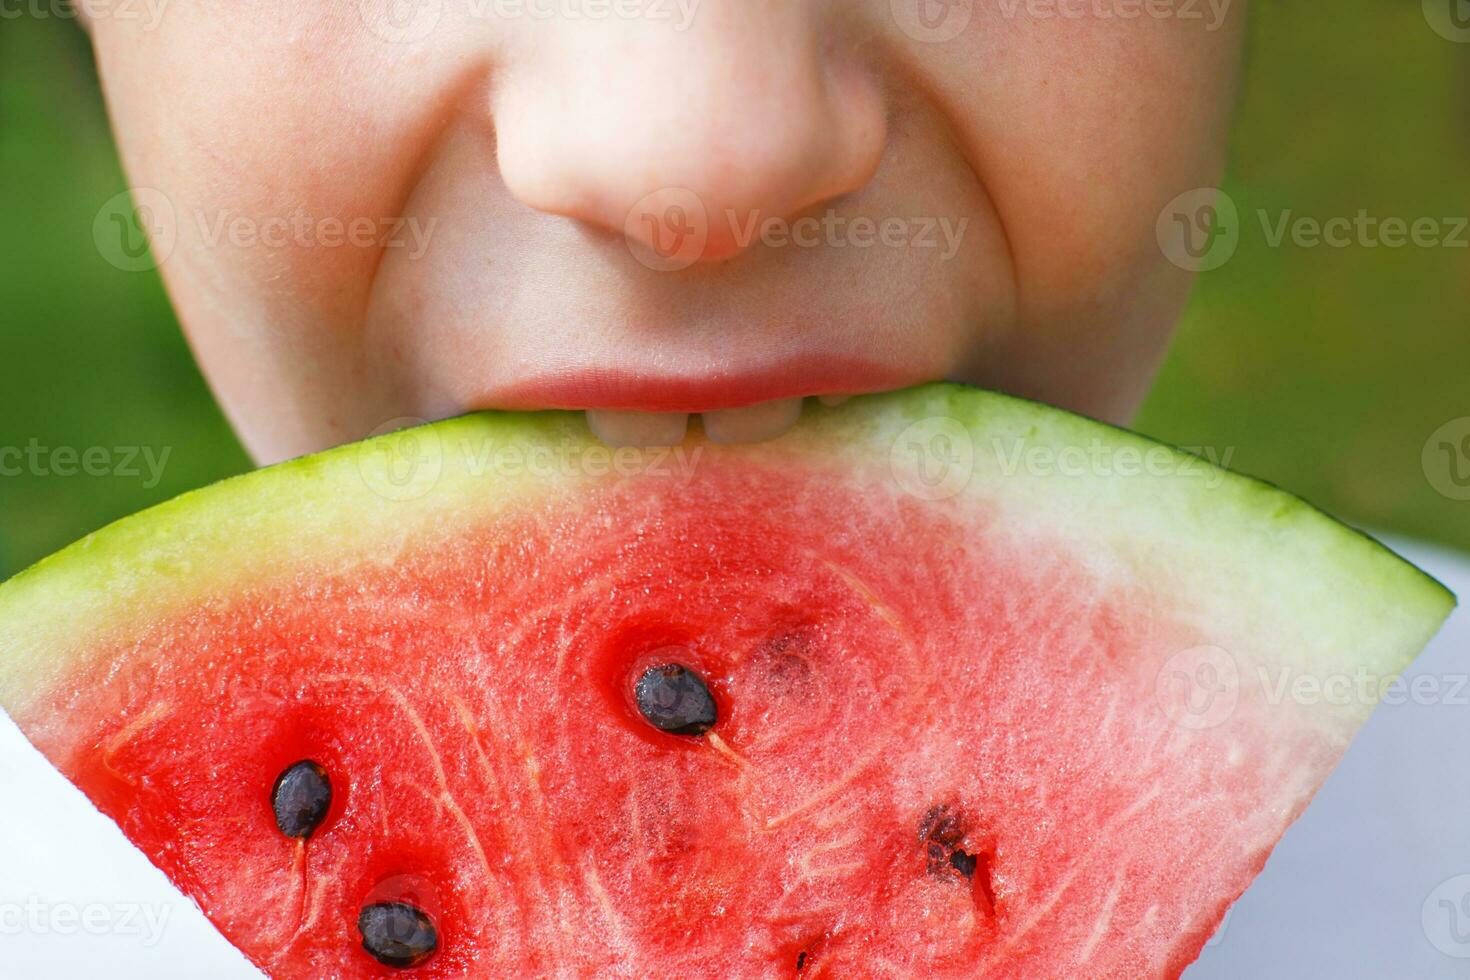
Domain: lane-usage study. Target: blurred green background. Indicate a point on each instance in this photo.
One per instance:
(1324, 369)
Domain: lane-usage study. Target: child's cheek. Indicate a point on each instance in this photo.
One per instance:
(285, 137)
(1084, 127)
(274, 145)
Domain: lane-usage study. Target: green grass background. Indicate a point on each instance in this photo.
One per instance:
(1325, 370)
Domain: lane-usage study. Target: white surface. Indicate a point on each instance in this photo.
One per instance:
(1347, 894)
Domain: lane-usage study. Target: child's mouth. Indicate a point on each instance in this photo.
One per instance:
(753, 423)
(648, 408)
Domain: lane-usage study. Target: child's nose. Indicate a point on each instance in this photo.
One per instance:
(750, 113)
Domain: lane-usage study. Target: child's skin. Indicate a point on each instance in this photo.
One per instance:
(511, 155)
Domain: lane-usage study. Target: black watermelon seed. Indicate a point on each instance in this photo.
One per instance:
(674, 699)
(301, 797)
(963, 863)
(397, 934)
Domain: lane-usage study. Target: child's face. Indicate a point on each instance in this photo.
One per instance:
(388, 208)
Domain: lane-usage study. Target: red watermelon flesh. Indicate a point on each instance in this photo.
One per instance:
(1019, 726)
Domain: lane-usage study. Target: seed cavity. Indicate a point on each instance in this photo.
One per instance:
(942, 831)
(675, 699)
(397, 934)
(301, 798)
(786, 659)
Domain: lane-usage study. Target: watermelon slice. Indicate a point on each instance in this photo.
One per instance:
(941, 683)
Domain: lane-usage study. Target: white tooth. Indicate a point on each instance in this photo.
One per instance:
(754, 423)
(832, 401)
(637, 428)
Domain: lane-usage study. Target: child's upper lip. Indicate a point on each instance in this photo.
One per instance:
(648, 390)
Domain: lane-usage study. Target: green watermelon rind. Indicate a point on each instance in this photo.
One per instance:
(1230, 547)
